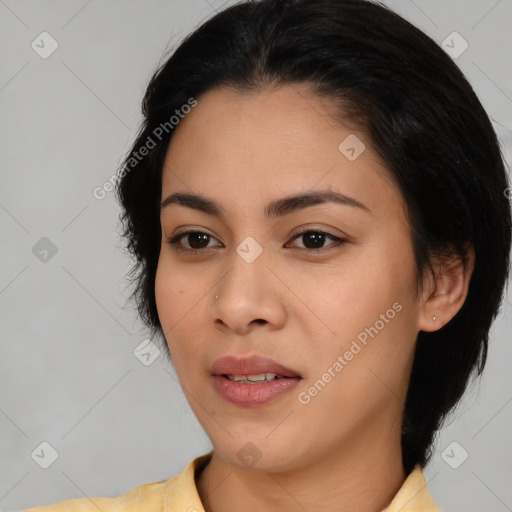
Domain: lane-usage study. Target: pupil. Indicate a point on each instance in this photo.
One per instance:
(196, 237)
(316, 238)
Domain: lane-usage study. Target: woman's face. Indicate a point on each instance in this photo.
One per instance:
(342, 317)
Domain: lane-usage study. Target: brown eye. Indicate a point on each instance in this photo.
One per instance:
(197, 241)
(314, 240)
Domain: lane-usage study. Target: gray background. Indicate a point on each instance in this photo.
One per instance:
(69, 374)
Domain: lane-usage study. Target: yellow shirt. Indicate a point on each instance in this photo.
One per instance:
(179, 494)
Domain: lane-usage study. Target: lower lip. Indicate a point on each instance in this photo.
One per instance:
(250, 395)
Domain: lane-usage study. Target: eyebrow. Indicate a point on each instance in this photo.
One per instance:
(276, 208)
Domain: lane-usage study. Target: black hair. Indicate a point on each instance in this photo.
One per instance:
(422, 118)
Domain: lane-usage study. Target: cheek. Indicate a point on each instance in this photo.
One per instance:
(175, 290)
(167, 291)
(170, 292)
(353, 297)
(178, 300)
(368, 303)
(380, 335)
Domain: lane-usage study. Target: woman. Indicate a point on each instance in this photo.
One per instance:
(319, 212)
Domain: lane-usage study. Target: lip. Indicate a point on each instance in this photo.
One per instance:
(250, 365)
(244, 394)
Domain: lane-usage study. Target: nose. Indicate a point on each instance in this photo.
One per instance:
(250, 296)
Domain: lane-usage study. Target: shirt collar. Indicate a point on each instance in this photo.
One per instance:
(414, 495)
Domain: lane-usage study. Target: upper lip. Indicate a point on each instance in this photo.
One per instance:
(250, 365)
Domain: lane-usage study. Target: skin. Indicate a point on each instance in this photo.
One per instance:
(341, 451)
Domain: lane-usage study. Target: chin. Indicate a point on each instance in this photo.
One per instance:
(258, 453)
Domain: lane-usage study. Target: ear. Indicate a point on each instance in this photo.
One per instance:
(445, 293)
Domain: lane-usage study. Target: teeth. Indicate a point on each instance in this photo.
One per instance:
(260, 377)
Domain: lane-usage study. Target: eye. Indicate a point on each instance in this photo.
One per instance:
(314, 240)
(198, 241)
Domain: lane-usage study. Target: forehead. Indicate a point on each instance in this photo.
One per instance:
(245, 147)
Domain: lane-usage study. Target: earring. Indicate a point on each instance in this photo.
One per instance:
(434, 318)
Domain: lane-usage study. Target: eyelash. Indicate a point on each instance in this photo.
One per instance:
(337, 241)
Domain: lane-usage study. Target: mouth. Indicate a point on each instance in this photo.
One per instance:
(252, 381)
(252, 368)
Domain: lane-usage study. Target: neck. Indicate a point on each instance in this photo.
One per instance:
(358, 477)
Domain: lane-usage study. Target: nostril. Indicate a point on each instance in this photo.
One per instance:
(260, 321)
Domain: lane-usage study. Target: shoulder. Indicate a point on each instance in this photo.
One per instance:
(176, 493)
(147, 497)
